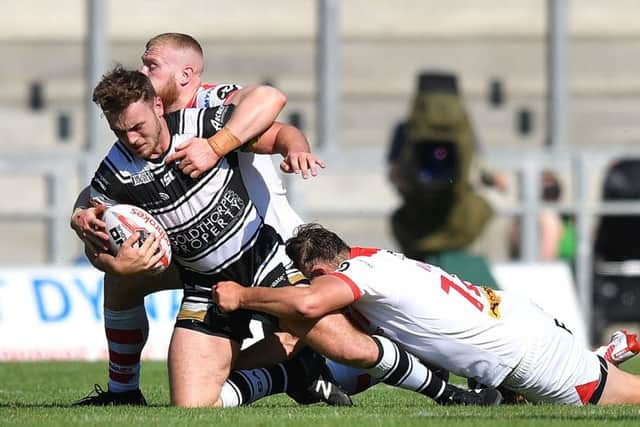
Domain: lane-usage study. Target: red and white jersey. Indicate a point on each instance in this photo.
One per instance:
(466, 329)
(258, 171)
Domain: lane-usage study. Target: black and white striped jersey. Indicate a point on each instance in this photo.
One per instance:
(258, 170)
(214, 227)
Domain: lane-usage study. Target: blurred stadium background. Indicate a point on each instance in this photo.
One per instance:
(569, 71)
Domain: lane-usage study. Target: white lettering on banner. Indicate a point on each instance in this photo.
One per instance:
(53, 313)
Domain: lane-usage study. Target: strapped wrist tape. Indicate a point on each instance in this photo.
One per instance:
(223, 142)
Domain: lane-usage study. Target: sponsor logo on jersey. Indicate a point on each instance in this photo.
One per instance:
(101, 181)
(167, 178)
(218, 118)
(343, 266)
(494, 302)
(143, 177)
(223, 91)
(216, 95)
(223, 216)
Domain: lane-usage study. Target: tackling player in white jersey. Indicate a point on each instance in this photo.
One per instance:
(494, 337)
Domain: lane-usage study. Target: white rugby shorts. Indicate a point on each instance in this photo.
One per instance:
(555, 367)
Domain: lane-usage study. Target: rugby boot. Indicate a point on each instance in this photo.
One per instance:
(622, 347)
(100, 397)
(317, 384)
(509, 397)
(480, 397)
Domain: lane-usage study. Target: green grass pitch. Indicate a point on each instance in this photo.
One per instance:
(40, 394)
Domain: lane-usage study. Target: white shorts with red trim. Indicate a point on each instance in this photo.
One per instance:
(556, 368)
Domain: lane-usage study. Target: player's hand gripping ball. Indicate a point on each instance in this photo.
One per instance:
(122, 220)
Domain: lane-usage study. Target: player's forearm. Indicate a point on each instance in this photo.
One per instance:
(286, 302)
(97, 260)
(280, 138)
(81, 203)
(290, 139)
(256, 109)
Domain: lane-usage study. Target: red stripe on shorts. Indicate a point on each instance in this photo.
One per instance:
(585, 391)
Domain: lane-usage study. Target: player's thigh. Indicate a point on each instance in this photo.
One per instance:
(198, 366)
(337, 338)
(125, 292)
(272, 349)
(621, 387)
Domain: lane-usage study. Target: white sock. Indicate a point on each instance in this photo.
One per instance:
(248, 385)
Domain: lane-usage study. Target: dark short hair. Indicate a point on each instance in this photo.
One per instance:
(120, 88)
(311, 243)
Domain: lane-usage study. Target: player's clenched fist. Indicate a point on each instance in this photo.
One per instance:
(227, 295)
(89, 226)
(195, 157)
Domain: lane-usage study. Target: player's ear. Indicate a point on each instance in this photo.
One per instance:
(186, 75)
(320, 269)
(158, 106)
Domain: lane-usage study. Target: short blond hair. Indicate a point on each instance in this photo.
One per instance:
(179, 40)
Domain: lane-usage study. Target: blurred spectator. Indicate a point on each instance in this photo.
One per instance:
(621, 183)
(557, 232)
(430, 164)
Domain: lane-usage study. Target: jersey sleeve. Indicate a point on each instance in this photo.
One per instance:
(200, 122)
(216, 118)
(103, 189)
(215, 95)
(359, 274)
(107, 185)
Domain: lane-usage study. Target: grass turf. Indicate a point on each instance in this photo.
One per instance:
(41, 394)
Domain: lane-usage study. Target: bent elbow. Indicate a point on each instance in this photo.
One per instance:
(273, 96)
(310, 308)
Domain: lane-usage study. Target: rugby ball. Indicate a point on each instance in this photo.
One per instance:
(122, 220)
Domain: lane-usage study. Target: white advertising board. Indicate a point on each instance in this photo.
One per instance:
(56, 314)
(550, 285)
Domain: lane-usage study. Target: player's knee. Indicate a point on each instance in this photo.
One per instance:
(195, 399)
(122, 292)
(351, 354)
(288, 342)
(359, 357)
